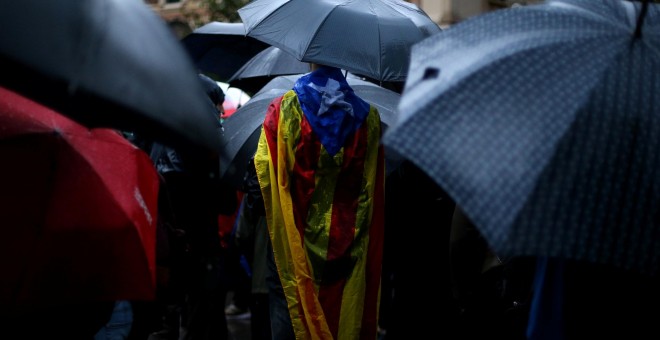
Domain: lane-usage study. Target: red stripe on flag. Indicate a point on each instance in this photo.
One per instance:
(308, 150)
(330, 297)
(342, 228)
(347, 193)
(271, 122)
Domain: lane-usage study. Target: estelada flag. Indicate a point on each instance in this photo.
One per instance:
(325, 220)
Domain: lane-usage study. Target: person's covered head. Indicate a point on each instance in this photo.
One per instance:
(213, 91)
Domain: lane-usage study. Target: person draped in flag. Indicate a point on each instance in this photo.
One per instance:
(321, 170)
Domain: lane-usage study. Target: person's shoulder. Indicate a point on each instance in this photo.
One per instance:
(289, 100)
(289, 95)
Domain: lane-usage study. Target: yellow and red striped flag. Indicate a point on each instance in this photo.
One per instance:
(325, 219)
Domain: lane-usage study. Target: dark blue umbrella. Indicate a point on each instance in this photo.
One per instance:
(543, 123)
(368, 37)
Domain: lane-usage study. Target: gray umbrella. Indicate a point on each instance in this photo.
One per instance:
(265, 66)
(367, 37)
(242, 129)
(108, 63)
(543, 124)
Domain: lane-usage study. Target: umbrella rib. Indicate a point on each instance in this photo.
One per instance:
(640, 19)
(380, 60)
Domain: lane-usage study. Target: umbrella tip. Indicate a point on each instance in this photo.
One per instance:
(431, 73)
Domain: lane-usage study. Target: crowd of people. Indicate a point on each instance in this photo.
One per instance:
(342, 250)
(334, 247)
(322, 240)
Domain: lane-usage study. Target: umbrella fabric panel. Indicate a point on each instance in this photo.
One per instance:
(508, 126)
(327, 48)
(79, 208)
(276, 28)
(612, 148)
(494, 121)
(325, 32)
(539, 121)
(471, 45)
(115, 260)
(271, 62)
(384, 100)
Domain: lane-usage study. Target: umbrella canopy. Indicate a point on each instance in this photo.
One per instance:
(368, 37)
(265, 66)
(106, 63)
(78, 210)
(221, 48)
(234, 98)
(543, 124)
(244, 126)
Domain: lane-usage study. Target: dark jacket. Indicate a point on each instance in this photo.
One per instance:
(192, 178)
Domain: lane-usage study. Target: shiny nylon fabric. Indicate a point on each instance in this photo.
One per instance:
(79, 210)
(325, 219)
(367, 37)
(563, 163)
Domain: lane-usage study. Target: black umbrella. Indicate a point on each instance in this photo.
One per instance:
(367, 37)
(264, 66)
(106, 63)
(243, 128)
(221, 48)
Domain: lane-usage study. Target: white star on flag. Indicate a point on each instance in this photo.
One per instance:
(331, 96)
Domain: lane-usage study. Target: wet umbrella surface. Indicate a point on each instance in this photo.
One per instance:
(368, 37)
(78, 210)
(542, 122)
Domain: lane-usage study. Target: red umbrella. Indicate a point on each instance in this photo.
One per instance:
(78, 210)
